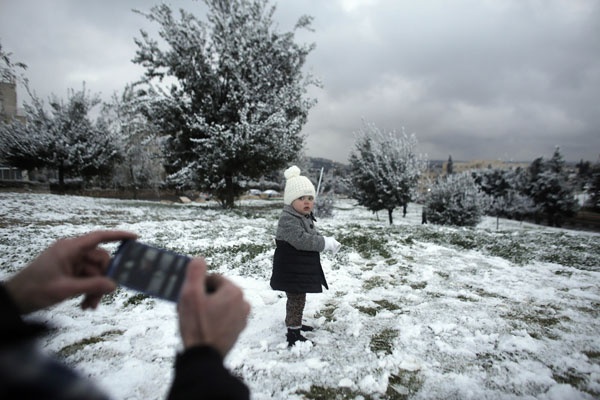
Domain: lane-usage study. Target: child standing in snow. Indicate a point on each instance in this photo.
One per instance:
(296, 264)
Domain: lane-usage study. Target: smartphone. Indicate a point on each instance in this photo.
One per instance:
(148, 269)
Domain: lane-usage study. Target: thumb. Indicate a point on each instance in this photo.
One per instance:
(192, 289)
(96, 285)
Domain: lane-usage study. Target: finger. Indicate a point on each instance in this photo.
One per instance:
(96, 262)
(93, 239)
(97, 285)
(196, 270)
(193, 285)
(214, 282)
(90, 301)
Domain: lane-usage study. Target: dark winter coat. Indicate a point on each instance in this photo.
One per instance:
(26, 373)
(296, 263)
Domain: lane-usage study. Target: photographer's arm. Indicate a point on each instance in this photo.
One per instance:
(210, 324)
(70, 267)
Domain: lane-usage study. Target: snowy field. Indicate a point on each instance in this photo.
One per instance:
(413, 311)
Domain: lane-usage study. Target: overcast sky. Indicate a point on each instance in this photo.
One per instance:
(474, 79)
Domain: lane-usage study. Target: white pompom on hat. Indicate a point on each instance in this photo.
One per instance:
(296, 185)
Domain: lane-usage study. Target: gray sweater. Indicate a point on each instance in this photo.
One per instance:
(299, 231)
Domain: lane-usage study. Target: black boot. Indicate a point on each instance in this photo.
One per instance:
(293, 336)
(307, 328)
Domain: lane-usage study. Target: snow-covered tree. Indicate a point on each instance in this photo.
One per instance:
(517, 203)
(584, 174)
(384, 169)
(456, 200)
(506, 191)
(450, 166)
(334, 181)
(236, 105)
(63, 138)
(593, 187)
(550, 189)
(324, 206)
(141, 154)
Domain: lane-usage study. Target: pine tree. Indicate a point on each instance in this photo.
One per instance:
(384, 169)
(238, 103)
(550, 190)
(593, 187)
(450, 166)
(505, 189)
(456, 200)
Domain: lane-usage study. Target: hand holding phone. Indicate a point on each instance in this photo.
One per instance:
(210, 319)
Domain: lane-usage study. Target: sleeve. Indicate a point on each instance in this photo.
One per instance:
(200, 374)
(14, 329)
(26, 373)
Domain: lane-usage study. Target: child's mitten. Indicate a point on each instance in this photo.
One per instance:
(331, 244)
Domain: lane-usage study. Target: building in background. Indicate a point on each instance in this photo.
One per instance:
(9, 111)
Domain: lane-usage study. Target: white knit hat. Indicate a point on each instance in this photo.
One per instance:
(296, 185)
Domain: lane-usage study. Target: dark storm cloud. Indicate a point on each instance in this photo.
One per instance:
(507, 80)
(475, 79)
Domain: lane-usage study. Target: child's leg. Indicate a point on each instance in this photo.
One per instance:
(294, 309)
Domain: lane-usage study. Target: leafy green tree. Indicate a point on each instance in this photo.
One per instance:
(384, 169)
(236, 105)
(141, 165)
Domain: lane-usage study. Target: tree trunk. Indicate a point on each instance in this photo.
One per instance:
(133, 183)
(229, 200)
(61, 179)
(390, 211)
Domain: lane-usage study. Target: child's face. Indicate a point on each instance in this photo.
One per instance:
(304, 205)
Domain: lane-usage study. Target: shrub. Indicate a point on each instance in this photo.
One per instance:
(456, 200)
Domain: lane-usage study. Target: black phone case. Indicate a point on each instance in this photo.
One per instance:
(150, 270)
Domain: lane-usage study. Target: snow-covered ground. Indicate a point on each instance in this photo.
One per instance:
(413, 311)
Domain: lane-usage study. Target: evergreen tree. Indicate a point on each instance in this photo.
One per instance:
(238, 103)
(456, 200)
(584, 173)
(593, 189)
(506, 191)
(65, 138)
(550, 190)
(517, 203)
(384, 169)
(450, 166)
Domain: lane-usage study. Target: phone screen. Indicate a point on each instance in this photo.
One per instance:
(156, 272)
